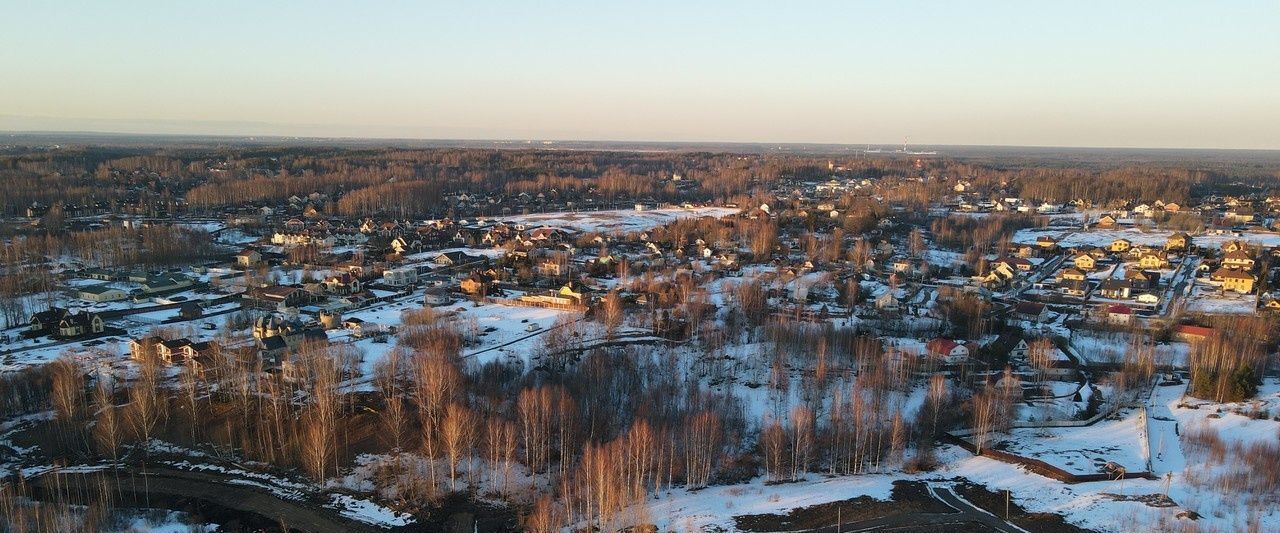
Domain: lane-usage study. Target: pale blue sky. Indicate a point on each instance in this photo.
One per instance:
(1152, 74)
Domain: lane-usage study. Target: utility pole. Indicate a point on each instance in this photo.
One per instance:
(1006, 505)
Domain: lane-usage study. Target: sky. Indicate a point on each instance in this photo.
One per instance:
(1173, 74)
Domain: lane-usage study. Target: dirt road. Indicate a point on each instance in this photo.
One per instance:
(169, 485)
(964, 517)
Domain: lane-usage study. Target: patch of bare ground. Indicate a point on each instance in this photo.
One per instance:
(1152, 500)
(908, 497)
(994, 503)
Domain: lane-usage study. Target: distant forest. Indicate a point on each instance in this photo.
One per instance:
(411, 182)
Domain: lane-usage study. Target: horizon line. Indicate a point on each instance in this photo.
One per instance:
(389, 139)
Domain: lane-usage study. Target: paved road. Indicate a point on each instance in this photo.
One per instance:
(965, 516)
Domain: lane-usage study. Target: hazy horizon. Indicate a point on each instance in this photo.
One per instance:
(1088, 74)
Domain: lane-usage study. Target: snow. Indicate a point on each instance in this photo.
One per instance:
(368, 512)
(1083, 450)
(702, 510)
(620, 221)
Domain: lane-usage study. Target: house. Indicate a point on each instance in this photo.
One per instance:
(1071, 274)
(1119, 314)
(400, 277)
(1148, 298)
(1142, 279)
(1029, 311)
(1120, 245)
(552, 268)
(355, 325)
(1239, 259)
(60, 323)
(454, 258)
(276, 297)
(101, 293)
(1075, 287)
(887, 302)
(358, 299)
(342, 284)
(475, 284)
(1017, 263)
(1177, 242)
(190, 310)
(1154, 260)
(100, 274)
(143, 346)
(1106, 221)
(1191, 333)
(1234, 245)
(248, 257)
(1234, 280)
(1115, 289)
(1046, 242)
(437, 296)
(168, 349)
(1084, 261)
(200, 355)
(949, 351)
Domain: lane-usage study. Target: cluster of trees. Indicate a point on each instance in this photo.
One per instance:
(590, 439)
(1228, 366)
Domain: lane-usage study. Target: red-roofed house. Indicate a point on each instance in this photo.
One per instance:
(1190, 333)
(951, 352)
(1119, 314)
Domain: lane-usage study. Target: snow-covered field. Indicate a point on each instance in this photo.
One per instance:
(620, 221)
(1083, 450)
(1101, 506)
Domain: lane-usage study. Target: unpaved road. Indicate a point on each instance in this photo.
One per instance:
(965, 517)
(219, 491)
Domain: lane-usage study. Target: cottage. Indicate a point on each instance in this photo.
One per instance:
(1115, 289)
(1084, 261)
(1156, 260)
(437, 296)
(1075, 287)
(63, 324)
(1029, 311)
(1119, 314)
(949, 351)
(1234, 280)
(276, 297)
(400, 277)
(248, 257)
(1120, 245)
(1192, 333)
(1071, 274)
(1179, 241)
(1239, 259)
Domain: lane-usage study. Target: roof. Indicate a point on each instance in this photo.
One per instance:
(98, 289)
(1029, 308)
(1119, 309)
(941, 345)
(1227, 273)
(1192, 330)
